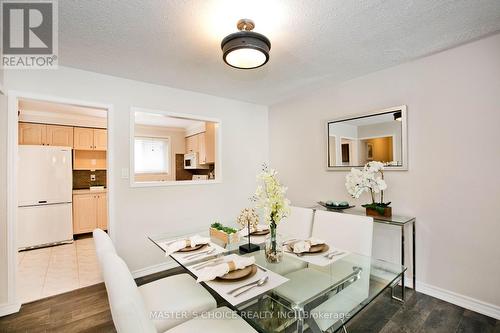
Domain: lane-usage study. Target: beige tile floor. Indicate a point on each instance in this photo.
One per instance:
(58, 269)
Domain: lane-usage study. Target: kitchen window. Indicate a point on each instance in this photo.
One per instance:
(152, 155)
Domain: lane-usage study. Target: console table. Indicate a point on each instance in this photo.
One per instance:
(395, 220)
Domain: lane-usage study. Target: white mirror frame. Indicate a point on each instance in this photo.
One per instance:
(218, 168)
(404, 137)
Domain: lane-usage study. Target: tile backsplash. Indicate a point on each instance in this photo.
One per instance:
(81, 178)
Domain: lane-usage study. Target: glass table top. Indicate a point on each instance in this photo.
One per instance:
(316, 297)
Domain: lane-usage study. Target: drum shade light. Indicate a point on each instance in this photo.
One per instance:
(245, 49)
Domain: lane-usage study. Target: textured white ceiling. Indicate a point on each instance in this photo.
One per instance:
(177, 42)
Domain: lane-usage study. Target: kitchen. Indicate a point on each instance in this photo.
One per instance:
(62, 196)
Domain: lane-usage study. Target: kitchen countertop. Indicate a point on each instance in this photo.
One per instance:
(88, 191)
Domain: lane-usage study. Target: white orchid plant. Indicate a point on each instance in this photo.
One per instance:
(270, 196)
(369, 179)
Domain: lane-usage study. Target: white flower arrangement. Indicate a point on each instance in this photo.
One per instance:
(270, 196)
(369, 179)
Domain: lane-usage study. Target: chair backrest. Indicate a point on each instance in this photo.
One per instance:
(127, 307)
(298, 224)
(345, 231)
(103, 243)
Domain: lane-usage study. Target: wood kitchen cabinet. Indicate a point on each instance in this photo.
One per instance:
(32, 134)
(102, 211)
(45, 135)
(61, 136)
(90, 211)
(209, 144)
(90, 139)
(203, 144)
(192, 144)
(83, 138)
(100, 139)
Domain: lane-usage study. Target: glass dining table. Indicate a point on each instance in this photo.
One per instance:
(315, 298)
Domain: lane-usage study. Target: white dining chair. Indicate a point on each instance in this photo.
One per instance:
(131, 315)
(102, 242)
(298, 224)
(189, 296)
(353, 233)
(347, 232)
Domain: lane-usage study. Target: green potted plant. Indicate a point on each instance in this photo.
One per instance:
(226, 235)
(370, 179)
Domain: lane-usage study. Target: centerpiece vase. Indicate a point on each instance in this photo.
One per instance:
(273, 250)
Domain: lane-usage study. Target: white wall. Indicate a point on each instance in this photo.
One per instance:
(3, 199)
(3, 192)
(452, 186)
(144, 211)
(341, 131)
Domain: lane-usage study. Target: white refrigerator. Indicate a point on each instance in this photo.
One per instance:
(45, 184)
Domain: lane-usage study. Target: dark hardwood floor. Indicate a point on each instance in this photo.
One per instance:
(87, 310)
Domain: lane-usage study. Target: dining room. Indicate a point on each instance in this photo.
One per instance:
(274, 166)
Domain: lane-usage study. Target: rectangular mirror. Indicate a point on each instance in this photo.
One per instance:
(173, 149)
(378, 136)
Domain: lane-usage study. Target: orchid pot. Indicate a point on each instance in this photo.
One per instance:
(370, 179)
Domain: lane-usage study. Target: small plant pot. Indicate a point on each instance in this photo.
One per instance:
(375, 212)
(223, 237)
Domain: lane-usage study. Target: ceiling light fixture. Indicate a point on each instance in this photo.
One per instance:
(245, 49)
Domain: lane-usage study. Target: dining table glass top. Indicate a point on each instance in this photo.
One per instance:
(315, 297)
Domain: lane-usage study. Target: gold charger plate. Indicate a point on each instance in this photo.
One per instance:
(190, 249)
(240, 274)
(260, 233)
(315, 249)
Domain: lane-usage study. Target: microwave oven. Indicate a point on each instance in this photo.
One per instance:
(192, 161)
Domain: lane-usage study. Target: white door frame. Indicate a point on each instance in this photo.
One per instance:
(13, 304)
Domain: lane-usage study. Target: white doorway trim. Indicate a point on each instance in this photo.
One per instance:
(13, 304)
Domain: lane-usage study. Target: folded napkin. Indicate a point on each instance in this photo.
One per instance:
(305, 245)
(231, 262)
(182, 243)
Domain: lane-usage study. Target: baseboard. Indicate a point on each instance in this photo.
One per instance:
(409, 282)
(7, 309)
(467, 302)
(153, 269)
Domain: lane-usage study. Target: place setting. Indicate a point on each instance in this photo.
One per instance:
(236, 278)
(191, 249)
(313, 250)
